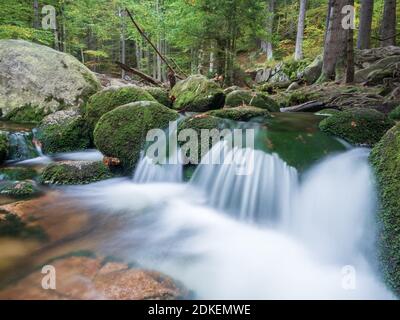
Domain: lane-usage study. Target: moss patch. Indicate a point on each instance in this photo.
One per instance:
(358, 126)
(395, 114)
(121, 133)
(17, 173)
(12, 226)
(250, 98)
(240, 113)
(160, 95)
(385, 159)
(197, 94)
(26, 114)
(110, 98)
(19, 189)
(75, 173)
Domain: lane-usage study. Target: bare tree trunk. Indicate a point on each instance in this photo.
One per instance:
(122, 40)
(350, 52)
(212, 59)
(388, 24)
(364, 33)
(266, 46)
(328, 18)
(298, 55)
(335, 43)
(36, 22)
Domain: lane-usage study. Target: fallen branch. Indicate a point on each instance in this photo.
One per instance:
(142, 75)
(311, 106)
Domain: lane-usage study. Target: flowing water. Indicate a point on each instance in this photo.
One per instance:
(288, 226)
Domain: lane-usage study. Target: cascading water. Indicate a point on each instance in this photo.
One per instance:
(21, 146)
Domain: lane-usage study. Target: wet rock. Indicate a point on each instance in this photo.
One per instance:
(197, 94)
(75, 172)
(63, 131)
(250, 98)
(86, 278)
(17, 189)
(111, 98)
(36, 80)
(12, 226)
(121, 133)
(358, 126)
(385, 159)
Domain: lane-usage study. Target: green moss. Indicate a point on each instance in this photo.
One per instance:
(17, 173)
(197, 94)
(12, 226)
(19, 188)
(199, 123)
(250, 98)
(26, 114)
(3, 147)
(240, 113)
(110, 98)
(160, 95)
(75, 172)
(395, 114)
(357, 125)
(121, 133)
(70, 135)
(385, 159)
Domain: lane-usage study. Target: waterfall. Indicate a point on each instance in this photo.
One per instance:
(252, 185)
(21, 146)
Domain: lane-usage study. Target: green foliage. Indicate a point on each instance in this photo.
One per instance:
(15, 32)
(108, 99)
(385, 159)
(357, 125)
(121, 133)
(26, 114)
(395, 114)
(75, 173)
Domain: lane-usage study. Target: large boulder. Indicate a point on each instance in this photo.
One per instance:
(313, 71)
(160, 94)
(376, 72)
(358, 126)
(385, 159)
(63, 131)
(36, 80)
(197, 94)
(245, 113)
(250, 98)
(75, 172)
(110, 98)
(121, 133)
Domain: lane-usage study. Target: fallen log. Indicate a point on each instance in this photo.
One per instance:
(311, 106)
(142, 75)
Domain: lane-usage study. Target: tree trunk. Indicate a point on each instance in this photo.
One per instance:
(328, 16)
(388, 24)
(350, 52)
(298, 55)
(335, 42)
(122, 40)
(36, 22)
(266, 46)
(364, 33)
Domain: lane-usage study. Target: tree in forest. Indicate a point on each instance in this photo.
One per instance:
(266, 45)
(349, 78)
(388, 24)
(335, 42)
(364, 33)
(298, 55)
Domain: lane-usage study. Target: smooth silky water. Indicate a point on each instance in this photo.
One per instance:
(291, 229)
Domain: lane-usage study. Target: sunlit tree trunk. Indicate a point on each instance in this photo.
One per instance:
(388, 24)
(298, 55)
(364, 33)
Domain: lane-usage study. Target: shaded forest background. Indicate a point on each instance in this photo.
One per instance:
(202, 36)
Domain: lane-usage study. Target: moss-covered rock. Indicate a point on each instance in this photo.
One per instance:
(63, 131)
(161, 95)
(385, 159)
(244, 113)
(75, 172)
(110, 98)
(231, 89)
(250, 98)
(17, 173)
(395, 114)
(358, 126)
(197, 94)
(121, 133)
(3, 147)
(195, 150)
(17, 189)
(26, 114)
(38, 80)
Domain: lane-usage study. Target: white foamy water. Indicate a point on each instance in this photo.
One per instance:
(193, 233)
